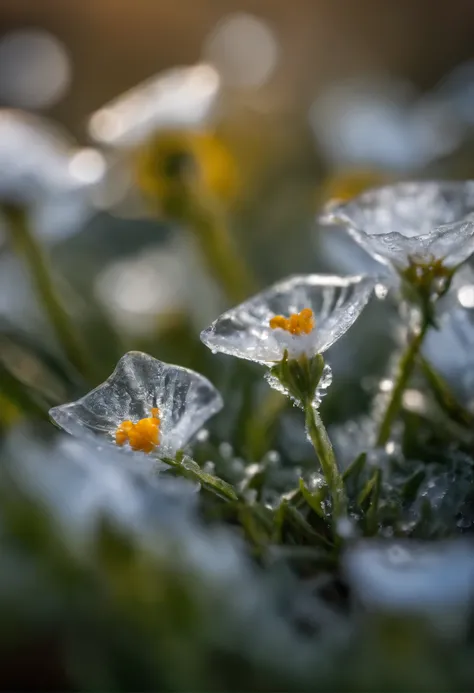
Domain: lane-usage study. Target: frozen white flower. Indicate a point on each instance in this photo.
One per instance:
(304, 314)
(381, 121)
(43, 171)
(420, 222)
(183, 97)
(146, 405)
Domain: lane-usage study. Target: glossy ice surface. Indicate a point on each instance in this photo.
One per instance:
(422, 220)
(139, 382)
(245, 331)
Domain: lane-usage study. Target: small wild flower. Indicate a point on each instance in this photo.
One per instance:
(288, 327)
(144, 406)
(423, 230)
(302, 315)
(40, 174)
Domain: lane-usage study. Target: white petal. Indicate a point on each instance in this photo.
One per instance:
(182, 97)
(139, 382)
(423, 219)
(245, 332)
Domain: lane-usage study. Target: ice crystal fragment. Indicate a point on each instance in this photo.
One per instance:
(245, 332)
(411, 220)
(139, 383)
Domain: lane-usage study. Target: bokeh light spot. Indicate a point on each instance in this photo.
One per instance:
(244, 50)
(466, 296)
(87, 165)
(35, 69)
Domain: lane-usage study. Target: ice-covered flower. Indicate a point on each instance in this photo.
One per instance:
(180, 98)
(43, 171)
(145, 406)
(302, 315)
(411, 225)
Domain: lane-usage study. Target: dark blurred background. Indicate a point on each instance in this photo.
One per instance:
(110, 45)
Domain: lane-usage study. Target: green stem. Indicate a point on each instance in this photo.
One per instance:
(445, 397)
(219, 249)
(324, 450)
(27, 246)
(186, 202)
(405, 370)
(258, 429)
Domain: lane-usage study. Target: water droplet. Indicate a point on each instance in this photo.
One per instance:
(346, 528)
(209, 467)
(250, 495)
(203, 435)
(466, 296)
(381, 291)
(386, 385)
(272, 458)
(226, 451)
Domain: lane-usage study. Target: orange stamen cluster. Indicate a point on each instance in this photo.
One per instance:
(297, 323)
(143, 435)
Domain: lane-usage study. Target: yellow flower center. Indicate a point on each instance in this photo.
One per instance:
(297, 323)
(143, 435)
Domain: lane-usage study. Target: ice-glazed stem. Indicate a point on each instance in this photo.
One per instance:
(28, 247)
(404, 371)
(324, 450)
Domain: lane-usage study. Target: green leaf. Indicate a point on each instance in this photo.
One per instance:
(364, 495)
(372, 513)
(288, 518)
(20, 396)
(257, 523)
(191, 470)
(444, 396)
(355, 468)
(314, 499)
(411, 487)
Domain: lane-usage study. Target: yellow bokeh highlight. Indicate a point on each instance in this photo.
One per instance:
(350, 183)
(198, 157)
